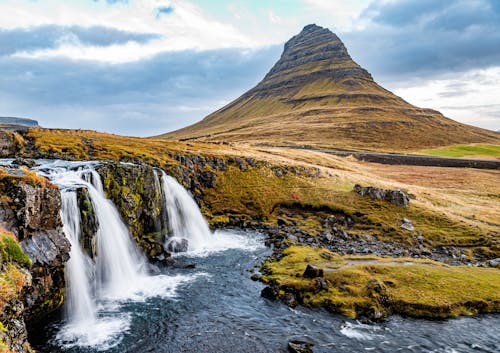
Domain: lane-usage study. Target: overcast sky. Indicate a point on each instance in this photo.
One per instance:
(144, 67)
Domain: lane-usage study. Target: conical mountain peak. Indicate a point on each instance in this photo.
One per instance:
(316, 95)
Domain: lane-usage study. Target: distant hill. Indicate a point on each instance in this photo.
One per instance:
(316, 95)
(14, 123)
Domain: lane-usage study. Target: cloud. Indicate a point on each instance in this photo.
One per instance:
(51, 36)
(146, 97)
(177, 25)
(471, 97)
(400, 39)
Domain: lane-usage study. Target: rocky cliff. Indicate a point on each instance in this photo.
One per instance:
(29, 211)
(316, 95)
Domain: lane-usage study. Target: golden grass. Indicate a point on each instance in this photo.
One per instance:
(453, 207)
(405, 286)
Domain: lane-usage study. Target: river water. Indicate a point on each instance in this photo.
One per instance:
(216, 307)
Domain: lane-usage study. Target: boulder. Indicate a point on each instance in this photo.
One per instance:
(397, 197)
(177, 245)
(300, 347)
(269, 293)
(313, 272)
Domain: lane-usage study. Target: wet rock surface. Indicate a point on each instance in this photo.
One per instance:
(31, 212)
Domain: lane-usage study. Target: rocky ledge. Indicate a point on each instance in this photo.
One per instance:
(29, 210)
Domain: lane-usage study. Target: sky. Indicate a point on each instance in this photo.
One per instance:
(145, 67)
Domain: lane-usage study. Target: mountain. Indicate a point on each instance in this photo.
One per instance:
(316, 95)
(15, 123)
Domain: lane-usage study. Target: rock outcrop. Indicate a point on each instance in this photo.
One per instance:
(397, 197)
(29, 208)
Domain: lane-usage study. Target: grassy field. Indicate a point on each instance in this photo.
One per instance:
(374, 286)
(452, 206)
(478, 151)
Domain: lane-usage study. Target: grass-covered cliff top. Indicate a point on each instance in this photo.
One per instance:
(453, 206)
(374, 286)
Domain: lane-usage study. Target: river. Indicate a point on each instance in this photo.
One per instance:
(216, 307)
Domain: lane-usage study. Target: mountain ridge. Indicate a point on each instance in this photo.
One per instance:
(316, 95)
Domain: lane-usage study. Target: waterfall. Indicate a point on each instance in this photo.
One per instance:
(189, 229)
(80, 307)
(118, 262)
(117, 274)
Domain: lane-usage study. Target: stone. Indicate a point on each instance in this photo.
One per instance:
(494, 262)
(290, 300)
(153, 269)
(407, 225)
(282, 221)
(397, 197)
(24, 162)
(321, 284)
(313, 271)
(268, 293)
(177, 245)
(300, 347)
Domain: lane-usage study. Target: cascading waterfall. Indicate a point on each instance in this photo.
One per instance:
(80, 307)
(118, 271)
(118, 262)
(184, 217)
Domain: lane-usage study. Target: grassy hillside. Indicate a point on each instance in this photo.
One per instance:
(452, 206)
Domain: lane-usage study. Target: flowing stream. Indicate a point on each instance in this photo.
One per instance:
(113, 305)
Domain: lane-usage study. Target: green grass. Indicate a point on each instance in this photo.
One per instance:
(460, 151)
(10, 250)
(417, 288)
(258, 194)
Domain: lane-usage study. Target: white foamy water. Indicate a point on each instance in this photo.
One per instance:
(96, 289)
(359, 331)
(222, 240)
(184, 217)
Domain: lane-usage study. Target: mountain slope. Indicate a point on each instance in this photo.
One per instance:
(316, 95)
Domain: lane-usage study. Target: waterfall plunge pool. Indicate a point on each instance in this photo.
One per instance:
(215, 307)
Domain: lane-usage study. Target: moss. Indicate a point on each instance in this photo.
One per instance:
(361, 286)
(11, 251)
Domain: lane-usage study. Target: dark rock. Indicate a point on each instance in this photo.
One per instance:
(282, 221)
(290, 300)
(24, 162)
(269, 293)
(190, 266)
(240, 163)
(397, 197)
(177, 245)
(321, 284)
(8, 144)
(313, 271)
(300, 347)
(279, 172)
(88, 221)
(494, 262)
(153, 269)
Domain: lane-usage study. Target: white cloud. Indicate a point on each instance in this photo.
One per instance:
(470, 97)
(186, 27)
(342, 12)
